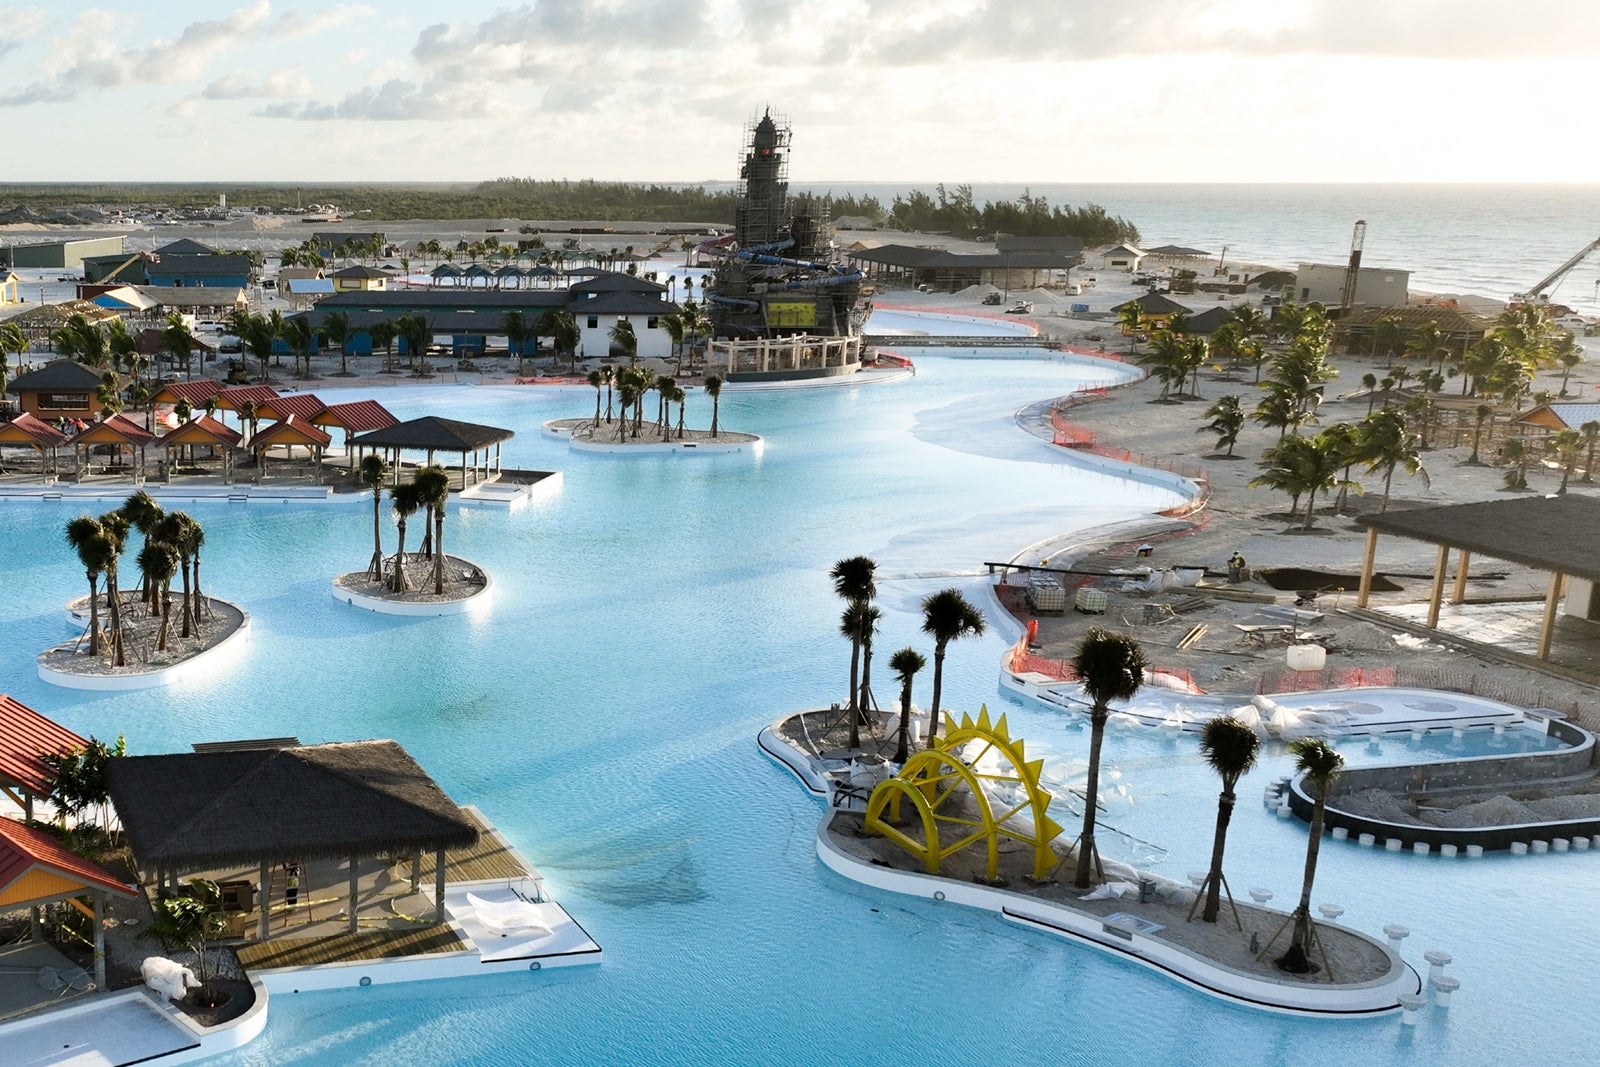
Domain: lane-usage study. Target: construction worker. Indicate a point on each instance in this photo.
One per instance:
(1236, 568)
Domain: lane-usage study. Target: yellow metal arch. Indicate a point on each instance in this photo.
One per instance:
(932, 777)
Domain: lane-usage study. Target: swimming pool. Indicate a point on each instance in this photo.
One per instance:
(649, 619)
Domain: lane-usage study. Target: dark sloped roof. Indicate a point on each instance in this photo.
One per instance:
(1154, 304)
(359, 270)
(615, 282)
(185, 246)
(631, 303)
(431, 433)
(1175, 250)
(200, 265)
(1006, 242)
(1208, 320)
(195, 809)
(58, 374)
(1548, 533)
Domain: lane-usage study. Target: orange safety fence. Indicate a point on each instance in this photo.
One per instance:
(1021, 661)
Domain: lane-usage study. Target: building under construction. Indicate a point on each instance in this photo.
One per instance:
(781, 306)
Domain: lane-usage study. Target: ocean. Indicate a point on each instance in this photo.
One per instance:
(1483, 240)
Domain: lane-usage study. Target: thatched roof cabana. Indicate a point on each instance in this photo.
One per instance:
(431, 434)
(192, 811)
(1552, 533)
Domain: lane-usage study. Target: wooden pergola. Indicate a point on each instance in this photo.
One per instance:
(197, 811)
(29, 431)
(1553, 533)
(290, 434)
(117, 430)
(203, 431)
(431, 435)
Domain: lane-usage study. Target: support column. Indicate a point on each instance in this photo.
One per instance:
(438, 885)
(354, 874)
(1441, 561)
(99, 899)
(1547, 630)
(1459, 595)
(416, 869)
(1365, 591)
(264, 901)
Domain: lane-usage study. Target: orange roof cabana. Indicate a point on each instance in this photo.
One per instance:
(357, 416)
(290, 434)
(305, 406)
(203, 431)
(30, 431)
(196, 392)
(118, 430)
(25, 737)
(35, 869)
(237, 398)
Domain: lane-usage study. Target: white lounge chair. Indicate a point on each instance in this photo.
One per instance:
(507, 917)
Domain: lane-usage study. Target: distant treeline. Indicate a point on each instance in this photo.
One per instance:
(538, 199)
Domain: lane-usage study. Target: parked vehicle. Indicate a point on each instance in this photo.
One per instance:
(992, 298)
(1021, 307)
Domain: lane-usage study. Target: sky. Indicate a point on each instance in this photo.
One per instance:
(875, 90)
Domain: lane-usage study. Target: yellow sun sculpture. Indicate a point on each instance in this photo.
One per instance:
(932, 779)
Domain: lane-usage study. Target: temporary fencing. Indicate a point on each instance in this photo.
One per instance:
(1021, 661)
(1424, 676)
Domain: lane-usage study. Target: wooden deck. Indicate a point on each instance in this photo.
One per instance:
(348, 948)
(490, 859)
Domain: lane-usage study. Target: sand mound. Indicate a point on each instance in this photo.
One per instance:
(975, 292)
(1362, 637)
(1574, 807)
(1377, 804)
(1496, 811)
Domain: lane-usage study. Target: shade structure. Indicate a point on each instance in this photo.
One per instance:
(26, 737)
(35, 870)
(203, 431)
(29, 431)
(291, 433)
(432, 434)
(118, 431)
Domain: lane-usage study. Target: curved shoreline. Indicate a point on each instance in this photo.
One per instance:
(423, 603)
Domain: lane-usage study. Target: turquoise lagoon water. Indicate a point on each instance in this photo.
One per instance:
(648, 620)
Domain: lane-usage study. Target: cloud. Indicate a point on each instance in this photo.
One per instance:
(20, 26)
(279, 85)
(395, 100)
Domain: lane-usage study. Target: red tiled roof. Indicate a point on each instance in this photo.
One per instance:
(116, 428)
(32, 428)
(24, 734)
(236, 398)
(196, 392)
(358, 416)
(202, 430)
(306, 405)
(291, 431)
(23, 849)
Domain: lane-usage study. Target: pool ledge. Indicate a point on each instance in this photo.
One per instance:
(226, 650)
(1357, 1000)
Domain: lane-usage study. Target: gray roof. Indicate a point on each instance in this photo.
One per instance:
(616, 282)
(199, 265)
(58, 374)
(185, 246)
(1548, 533)
(1154, 304)
(1175, 250)
(196, 809)
(623, 304)
(939, 259)
(1005, 242)
(433, 434)
(359, 270)
(1208, 320)
(193, 296)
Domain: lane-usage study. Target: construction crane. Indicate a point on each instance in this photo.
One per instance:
(1537, 294)
(1347, 298)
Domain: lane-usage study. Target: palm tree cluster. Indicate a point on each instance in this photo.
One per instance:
(428, 491)
(172, 543)
(103, 346)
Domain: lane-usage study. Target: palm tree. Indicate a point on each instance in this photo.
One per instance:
(714, 391)
(178, 342)
(1369, 382)
(1130, 317)
(301, 339)
(625, 340)
(905, 664)
(561, 326)
(404, 500)
(383, 334)
(13, 342)
(88, 539)
(677, 330)
(1227, 419)
(1591, 435)
(515, 325)
(1565, 447)
(1230, 748)
(142, 513)
(854, 582)
(676, 395)
(1386, 444)
(596, 380)
(946, 616)
(1480, 415)
(1516, 454)
(416, 332)
(1110, 667)
(1320, 763)
(433, 485)
(374, 470)
(158, 562)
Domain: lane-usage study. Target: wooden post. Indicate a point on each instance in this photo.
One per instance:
(1441, 561)
(99, 899)
(438, 885)
(263, 900)
(1459, 595)
(1365, 591)
(1547, 630)
(416, 869)
(354, 874)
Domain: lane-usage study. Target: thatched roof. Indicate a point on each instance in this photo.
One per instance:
(433, 434)
(1548, 533)
(197, 809)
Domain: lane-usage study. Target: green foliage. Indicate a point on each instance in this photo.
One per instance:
(80, 787)
(188, 920)
(1027, 216)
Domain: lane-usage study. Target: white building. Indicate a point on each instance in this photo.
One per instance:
(1323, 283)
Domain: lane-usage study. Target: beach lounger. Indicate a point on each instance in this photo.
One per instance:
(507, 917)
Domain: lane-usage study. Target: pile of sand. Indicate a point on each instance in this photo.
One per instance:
(1361, 637)
(1496, 811)
(1378, 804)
(1585, 806)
